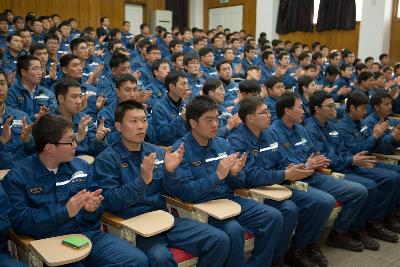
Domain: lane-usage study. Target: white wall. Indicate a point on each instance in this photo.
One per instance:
(196, 11)
(134, 14)
(266, 16)
(375, 26)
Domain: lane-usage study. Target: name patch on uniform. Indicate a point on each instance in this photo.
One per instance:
(365, 127)
(334, 133)
(302, 142)
(254, 152)
(36, 190)
(78, 176)
(271, 147)
(124, 165)
(220, 156)
(20, 98)
(196, 163)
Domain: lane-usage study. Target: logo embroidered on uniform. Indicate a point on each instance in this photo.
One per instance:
(36, 190)
(286, 145)
(254, 152)
(124, 165)
(196, 163)
(20, 98)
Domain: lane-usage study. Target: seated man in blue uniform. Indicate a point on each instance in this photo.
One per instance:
(232, 97)
(211, 170)
(5, 259)
(359, 168)
(306, 87)
(168, 114)
(344, 84)
(359, 137)
(26, 94)
(192, 66)
(88, 137)
(226, 121)
(310, 210)
(132, 172)
(275, 88)
(152, 54)
(206, 56)
(247, 88)
(299, 149)
(160, 69)
(381, 103)
(15, 140)
(53, 193)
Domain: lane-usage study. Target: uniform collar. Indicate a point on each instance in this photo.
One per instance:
(346, 118)
(287, 131)
(41, 169)
(145, 149)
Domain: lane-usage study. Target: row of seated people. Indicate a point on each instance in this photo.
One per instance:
(130, 175)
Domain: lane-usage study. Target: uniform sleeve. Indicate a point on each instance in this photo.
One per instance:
(4, 221)
(118, 196)
(27, 220)
(355, 144)
(188, 187)
(92, 186)
(167, 131)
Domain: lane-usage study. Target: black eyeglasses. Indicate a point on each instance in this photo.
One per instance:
(66, 143)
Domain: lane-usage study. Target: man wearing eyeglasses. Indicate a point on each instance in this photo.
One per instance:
(27, 94)
(152, 54)
(52, 193)
(358, 167)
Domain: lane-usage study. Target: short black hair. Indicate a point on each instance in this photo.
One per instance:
(332, 70)
(211, 85)
(76, 42)
(66, 59)
(204, 51)
(303, 56)
(102, 19)
(287, 100)
(249, 106)
(118, 59)
(175, 55)
(304, 80)
(49, 129)
(266, 54)
(378, 97)
(157, 63)
(173, 78)
(377, 74)
(124, 78)
(272, 80)
(198, 106)
(218, 67)
(189, 57)
(361, 66)
(368, 59)
(151, 48)
(344, 66)
(317, 99)
(123, 107)
(51, 36)
(36, 46)
(364, 76)
(356, 99)
(62, 86)
(382, 56)
(249, 86)
(24, 62)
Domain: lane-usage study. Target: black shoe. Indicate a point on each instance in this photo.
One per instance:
(368, 242)
(298, 258)
(345, 241)
(377, 230)
(315, 254)
(392, 223)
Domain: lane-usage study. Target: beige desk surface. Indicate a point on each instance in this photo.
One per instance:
(394, 156)
(275, 192)
(150, 223)
(53, 253)
(3, 173)
(87, 158)
(220, 209)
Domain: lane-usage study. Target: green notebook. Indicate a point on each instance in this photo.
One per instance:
(75, 242)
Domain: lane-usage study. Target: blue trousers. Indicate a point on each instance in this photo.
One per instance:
(110, 251)
(202, 240)
(396, 200)
(352, 195)
(7, 261)
(387, 188)
(311, 211)
(263, 221)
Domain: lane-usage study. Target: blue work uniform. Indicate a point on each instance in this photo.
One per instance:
(231, 92)
(271, 104)
(5, 259)
(309, 210)
(117, 171)
(195, 84)
(381, 187)
(158, 90)
(146, 75)
(15, 149)
(107, 87)
(208, 72)
(339, 83)
(197, 181)
(19, 97)
(9, 63)
(167, 120)
(223, 117)
(39, 197)
(297, 147)
(266, 72)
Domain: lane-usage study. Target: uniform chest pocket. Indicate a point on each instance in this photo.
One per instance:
(301, 146)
